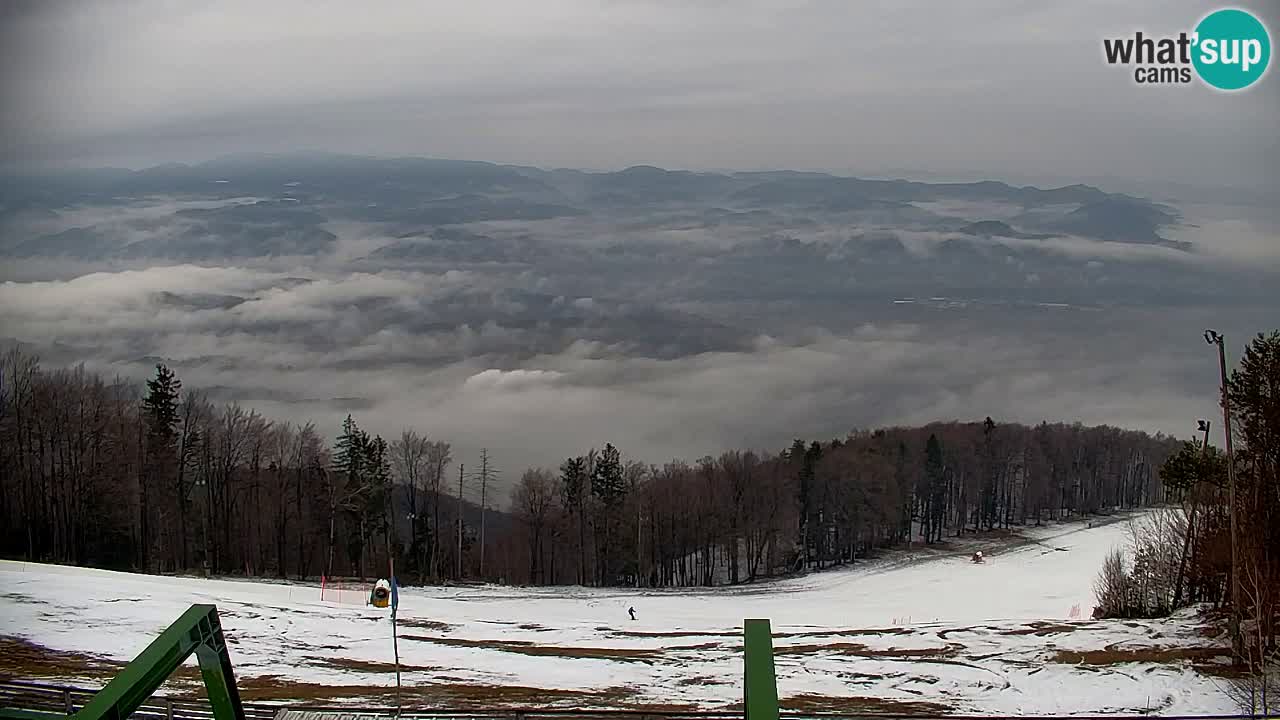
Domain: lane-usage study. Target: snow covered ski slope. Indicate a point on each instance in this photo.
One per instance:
(1011, 635)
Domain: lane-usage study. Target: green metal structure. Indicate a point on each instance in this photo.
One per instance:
(760, 694)
(197, 631)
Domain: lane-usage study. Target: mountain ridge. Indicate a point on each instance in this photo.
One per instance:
(295, 194)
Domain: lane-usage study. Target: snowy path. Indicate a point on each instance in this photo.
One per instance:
(976, 638)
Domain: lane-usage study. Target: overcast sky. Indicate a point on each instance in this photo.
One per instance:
(1008, 88)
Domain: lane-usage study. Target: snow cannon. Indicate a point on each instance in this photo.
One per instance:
(380, 597)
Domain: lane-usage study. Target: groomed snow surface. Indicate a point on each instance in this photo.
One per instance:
(892, 634)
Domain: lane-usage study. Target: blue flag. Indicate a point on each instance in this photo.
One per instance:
(395, 594)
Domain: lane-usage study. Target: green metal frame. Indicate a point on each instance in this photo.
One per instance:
(197, 631)
(760, 694)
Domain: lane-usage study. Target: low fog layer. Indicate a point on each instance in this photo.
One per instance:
(540, 313)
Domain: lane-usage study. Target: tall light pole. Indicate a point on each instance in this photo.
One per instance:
(1213, 337)
(639, 524)
(486, 472)
(460, 474)
(204, 519)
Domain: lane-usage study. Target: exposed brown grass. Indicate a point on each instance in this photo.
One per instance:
(449, 695)
(942, 652)
(524, 647)
(700, 680)
(453, 695)
(699, 646)
(21, 658)
(860, 650)
(468, 642)
(425, 624)
(838, 633)
(1114, 655)
(1043, 629)
(369, 666)
(807, 702)
(672, 634)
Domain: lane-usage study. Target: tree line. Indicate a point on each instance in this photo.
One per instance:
(157, 478)
(743, 515)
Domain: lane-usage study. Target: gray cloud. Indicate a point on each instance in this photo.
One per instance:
(991, 87)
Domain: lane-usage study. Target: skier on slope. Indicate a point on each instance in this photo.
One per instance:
(632, 611)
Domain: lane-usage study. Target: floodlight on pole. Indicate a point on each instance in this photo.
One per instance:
(1214, 337)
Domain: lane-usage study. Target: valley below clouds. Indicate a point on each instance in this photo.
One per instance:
(543, 312)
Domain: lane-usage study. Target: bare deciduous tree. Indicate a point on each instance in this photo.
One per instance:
(533, 501)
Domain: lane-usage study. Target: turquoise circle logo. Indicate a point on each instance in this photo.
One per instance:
(1232, 49)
